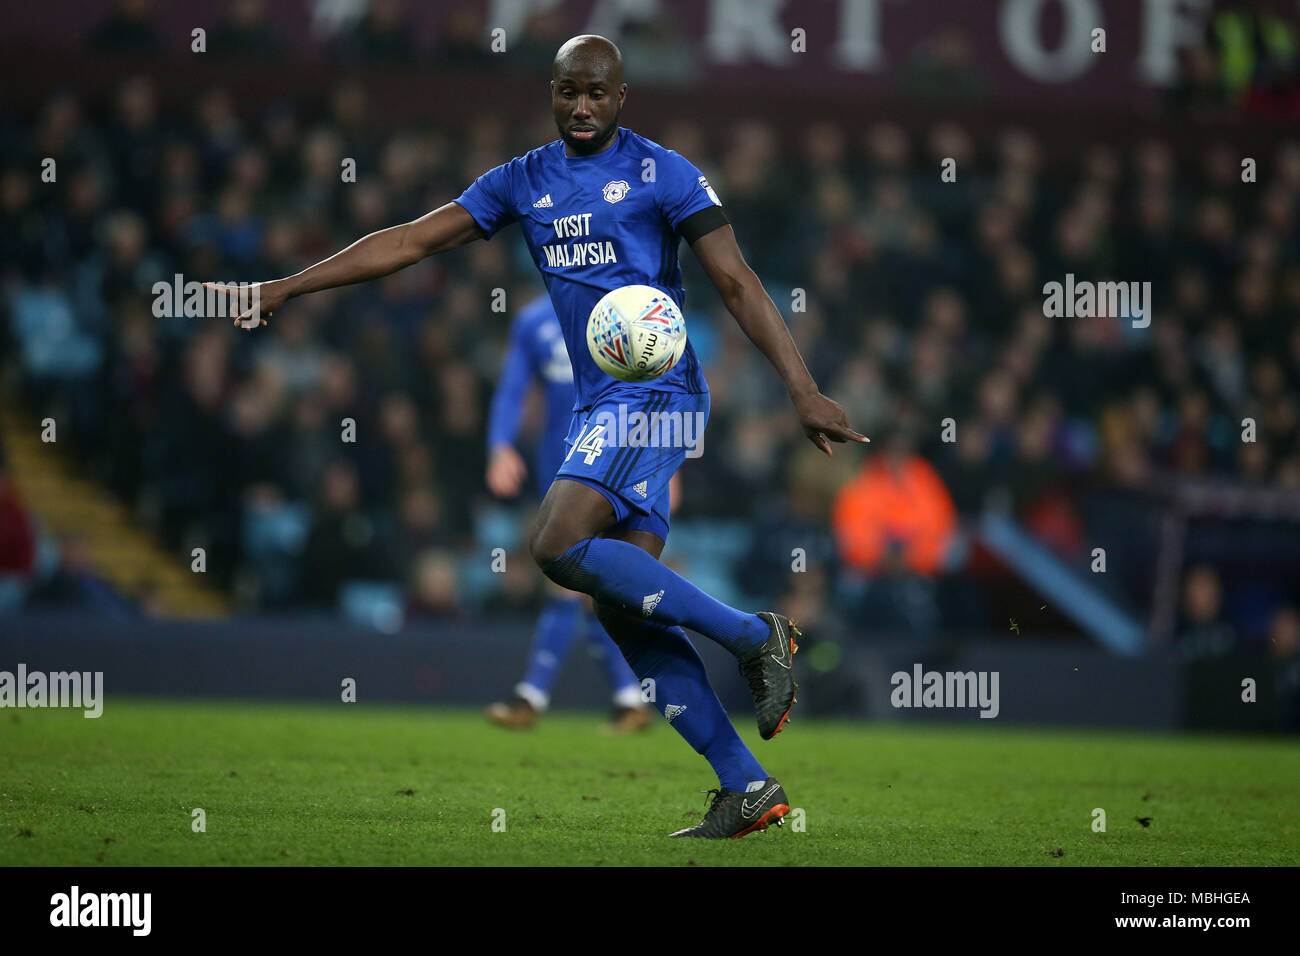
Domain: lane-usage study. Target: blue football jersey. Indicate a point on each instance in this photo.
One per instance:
(594, 224)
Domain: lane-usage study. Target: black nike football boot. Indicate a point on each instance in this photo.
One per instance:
(734, 813)
(770, 673)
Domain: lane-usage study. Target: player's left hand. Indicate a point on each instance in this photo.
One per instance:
(823, 421)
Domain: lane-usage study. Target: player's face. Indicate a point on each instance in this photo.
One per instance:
(586, 106)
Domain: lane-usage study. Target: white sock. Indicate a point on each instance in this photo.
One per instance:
(539, 699)
(629, 696)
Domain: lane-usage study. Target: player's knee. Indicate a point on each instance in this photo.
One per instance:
(546, 544)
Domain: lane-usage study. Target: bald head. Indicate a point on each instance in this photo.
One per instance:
(589, 54)
(587, 92)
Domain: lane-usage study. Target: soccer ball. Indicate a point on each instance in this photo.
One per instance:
(636, 333)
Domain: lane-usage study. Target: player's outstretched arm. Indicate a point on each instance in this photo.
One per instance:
(822, 419)
(371, 257)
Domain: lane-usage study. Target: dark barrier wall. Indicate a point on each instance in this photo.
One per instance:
(469, 662)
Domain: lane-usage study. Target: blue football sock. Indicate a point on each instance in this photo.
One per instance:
(682, 693)
(551, 640)
(624, 576)
(626, 688)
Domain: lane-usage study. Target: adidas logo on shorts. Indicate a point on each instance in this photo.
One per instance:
(640, 488)
(673, 711)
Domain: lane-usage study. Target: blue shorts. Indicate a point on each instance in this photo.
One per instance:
(630, 444)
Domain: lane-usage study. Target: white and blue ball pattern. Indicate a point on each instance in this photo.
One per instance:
(636, 333)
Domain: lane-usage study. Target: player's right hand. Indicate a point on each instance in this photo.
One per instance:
(251, 305)
(505, 472)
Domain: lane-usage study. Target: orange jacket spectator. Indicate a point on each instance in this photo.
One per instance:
(895, 506)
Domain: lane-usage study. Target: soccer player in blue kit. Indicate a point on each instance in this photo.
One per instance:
(602, 208)
(537, 353)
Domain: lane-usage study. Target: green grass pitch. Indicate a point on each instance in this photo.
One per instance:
(357, 784)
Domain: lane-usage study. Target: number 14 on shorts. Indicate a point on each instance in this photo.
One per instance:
(591, 443)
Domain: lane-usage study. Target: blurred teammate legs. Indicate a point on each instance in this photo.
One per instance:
(565, 615)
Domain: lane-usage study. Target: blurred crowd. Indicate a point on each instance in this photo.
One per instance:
(359, 33)
(917, 303)
(1248, 60)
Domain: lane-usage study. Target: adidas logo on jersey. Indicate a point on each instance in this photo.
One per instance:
(650, 602)
(640, 488)
(544, 202)
(673, 711)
